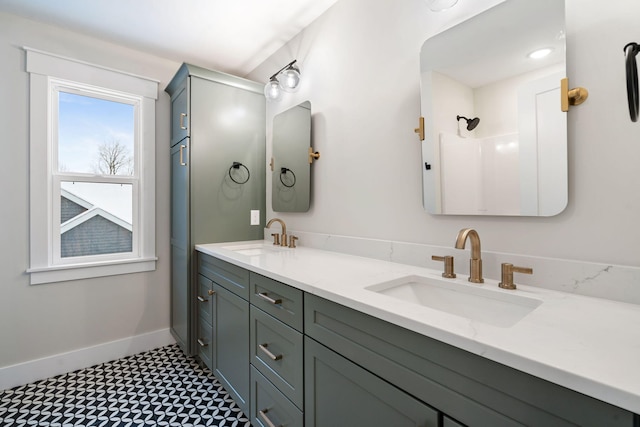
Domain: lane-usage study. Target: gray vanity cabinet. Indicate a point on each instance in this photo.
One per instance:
(216, 120)
(228, 340)
(340, 393)
(290, 358)
(470, 389)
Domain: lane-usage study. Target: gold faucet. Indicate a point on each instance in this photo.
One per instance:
(283, 239)
(475, 263)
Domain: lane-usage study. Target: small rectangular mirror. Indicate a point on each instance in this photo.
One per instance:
(291, 177)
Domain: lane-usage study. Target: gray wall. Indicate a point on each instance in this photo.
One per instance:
(360, 69)
(43, 320)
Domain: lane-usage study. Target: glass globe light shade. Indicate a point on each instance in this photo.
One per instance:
(272, 90)
(290, 79)
(440, 5)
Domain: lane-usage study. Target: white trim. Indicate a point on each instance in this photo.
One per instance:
(75, 199)
(87, 215)
(45, 70)
(63, 273)
(53, 65)
(34, 370)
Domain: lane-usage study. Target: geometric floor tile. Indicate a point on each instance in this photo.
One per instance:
(162, 387)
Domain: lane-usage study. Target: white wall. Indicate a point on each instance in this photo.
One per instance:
(44, 320)
(360, 65)
(497, 103)
(360, 69)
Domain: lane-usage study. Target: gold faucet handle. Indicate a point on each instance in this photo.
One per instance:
(507, 274)
(448, 265)
(292, 241)
(276, 238)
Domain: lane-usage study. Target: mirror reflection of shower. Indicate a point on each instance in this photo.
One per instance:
(471, 123)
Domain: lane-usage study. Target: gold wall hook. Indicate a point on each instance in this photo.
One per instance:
(313, 155)
(420, 129)
(575, 96)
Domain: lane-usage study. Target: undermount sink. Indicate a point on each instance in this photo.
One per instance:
(251, 249)
(474, 302)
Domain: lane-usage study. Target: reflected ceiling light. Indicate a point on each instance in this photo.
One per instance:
(285, 79)
(540, 53)
(440, 5)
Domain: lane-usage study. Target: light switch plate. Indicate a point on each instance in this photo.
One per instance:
(255, 217)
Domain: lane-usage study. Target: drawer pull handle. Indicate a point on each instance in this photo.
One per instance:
(211, 292)
(263, 415)
(182, 162)
(202, 299)
(265, 297)
(182, 117)
(272, 356)
(202, 343)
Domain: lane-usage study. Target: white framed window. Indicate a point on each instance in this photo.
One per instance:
(92, 170)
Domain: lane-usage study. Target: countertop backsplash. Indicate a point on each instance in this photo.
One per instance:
(608, 281)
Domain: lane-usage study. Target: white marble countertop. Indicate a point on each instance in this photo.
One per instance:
(586, 344)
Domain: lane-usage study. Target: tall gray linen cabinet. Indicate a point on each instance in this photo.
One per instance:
(217, 177)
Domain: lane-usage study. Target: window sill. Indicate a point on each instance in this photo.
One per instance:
(87, 271)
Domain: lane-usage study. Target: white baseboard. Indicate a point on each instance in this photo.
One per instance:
(34, 370)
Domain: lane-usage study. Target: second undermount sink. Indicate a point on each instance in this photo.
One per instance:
(252, 249)
(474, 302)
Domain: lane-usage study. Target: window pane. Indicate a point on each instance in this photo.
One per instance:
(95, 135)
(95, 218)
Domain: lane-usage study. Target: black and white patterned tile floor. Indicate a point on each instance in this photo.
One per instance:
(161, 387)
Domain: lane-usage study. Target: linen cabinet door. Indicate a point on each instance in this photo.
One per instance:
(339, 393)
(179, 111)
(230, 321)
(181, 303)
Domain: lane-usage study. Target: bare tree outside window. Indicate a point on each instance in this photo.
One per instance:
(114, 159)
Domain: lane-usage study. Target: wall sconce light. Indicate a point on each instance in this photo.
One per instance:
(285, 79)
(440, 5)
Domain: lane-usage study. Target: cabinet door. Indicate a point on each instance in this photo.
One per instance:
(340, 393)
(227, 126)
(448, 422)
(231, 344)
(180, 293)
(179, 117)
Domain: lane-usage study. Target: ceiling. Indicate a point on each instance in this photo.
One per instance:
(233, 36)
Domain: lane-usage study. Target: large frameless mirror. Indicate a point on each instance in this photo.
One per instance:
(291, 176)
(495, 136)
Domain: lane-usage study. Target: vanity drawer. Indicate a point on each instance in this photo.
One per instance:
(269, 407)
(227, 275)
(204, 300)
(276, 351)
(279, 300)
(204, 343)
